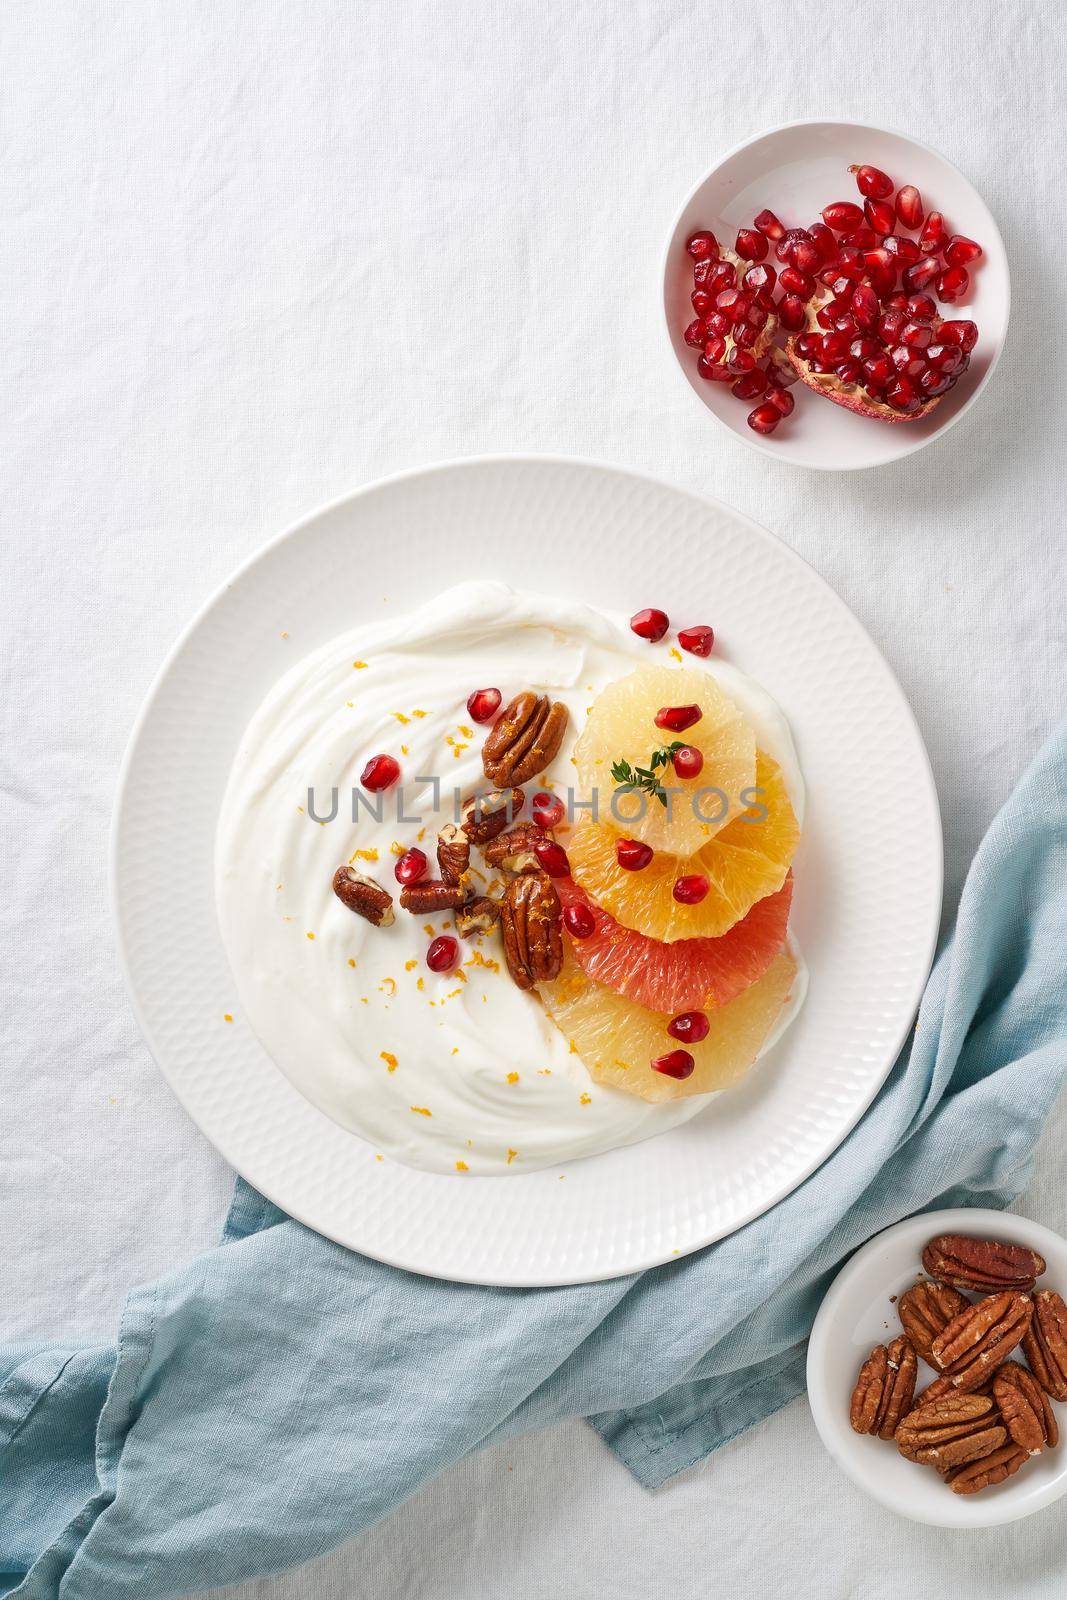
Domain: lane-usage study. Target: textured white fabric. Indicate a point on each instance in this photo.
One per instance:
(254, 256)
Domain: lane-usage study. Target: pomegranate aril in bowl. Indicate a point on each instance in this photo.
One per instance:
(873, 182)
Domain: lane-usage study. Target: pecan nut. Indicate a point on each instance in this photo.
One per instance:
(950, 1431)
(1025, 1408)
(530, 918)
(1045, 1344)
(479, 915)
(984, 1265)
(485, 815)
(430, 895)
(525, 739)
(514, 850)
(363, 896)
(925, 1310)
(994, 1468)
(884, 1389)
(453, 854)
(975, 1342)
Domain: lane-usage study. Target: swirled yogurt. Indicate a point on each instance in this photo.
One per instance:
(460, 1072)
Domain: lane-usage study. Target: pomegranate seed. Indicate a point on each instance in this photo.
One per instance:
(910, 206)
(677, 718)
(833, 347)
(823, 240)
(921, 308)
(865, 307)
(908, 363)
(732, 303)
(715, 348)
(880, 215)
(688, 762)
(860, 349)
(650, 624)
(879, 370)
(750, 245)
(896, 302)
(961, 251)
(796, 282)
(953, 284)
(849, 372)
(579, 920)
(933, 383)
(765, 418)
(905, 251)
(862, 239)
(872, 181)
(676, 1064)
(381, 772)
(791, 313)
(782, 400)
(922, 273)
(806, 256)
(483, 704)
(689, 1026)
(702, 244)
(702, 302)
(546, 809)
(963, 334)
(760, 281)
(740, 361)
(713, 371)
(934, 237)
(946, 358)
(553, 858)
(717, 325)
(745, 336)
(695, 332)
(917, 335)
(692, 890)
(706, 272)
(901, 395)
(723, 275)
(788, 242)
(881, 269)
(749, 385)
(698, 641)
(846, 327)
(443, 953)
(633, 854)
(842, 216)
(411, 866)
(756, 315)
(768, 224)
(807, 344)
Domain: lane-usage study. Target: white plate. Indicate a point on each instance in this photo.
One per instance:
(857, 1314)
(795, 171)
(868, 874)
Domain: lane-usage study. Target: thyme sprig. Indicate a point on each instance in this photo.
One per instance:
(628, 777)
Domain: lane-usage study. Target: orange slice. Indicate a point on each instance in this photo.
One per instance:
(746, 861)
(618, 1040)
(621, 727)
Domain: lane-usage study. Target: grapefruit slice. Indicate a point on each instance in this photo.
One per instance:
(621, 728)
(618, 1040)
(690, 974)
(745, 862)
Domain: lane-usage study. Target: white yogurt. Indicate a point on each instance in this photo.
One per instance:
(449, 1073)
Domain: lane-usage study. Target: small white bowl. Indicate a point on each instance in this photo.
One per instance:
(795, 170)
(857, 1314)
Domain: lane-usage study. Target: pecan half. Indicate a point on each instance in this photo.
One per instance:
(884, 1389)
(1045, 1344)
(950, 1431)
(987, 1470)
(925, 1310)
(453, 853)
(525, 738)
(976, 1341)
(1024, 1405)
(430, 895)
(513, 850)
(530, 918)
(486, 815)
(984, 1265)
(479, 915)
(363, 896)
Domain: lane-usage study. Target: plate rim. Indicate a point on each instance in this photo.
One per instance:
(521, 1278)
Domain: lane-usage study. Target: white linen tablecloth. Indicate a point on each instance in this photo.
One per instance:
(253, 256)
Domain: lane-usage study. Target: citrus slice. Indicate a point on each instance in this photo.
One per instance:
(690, 974)
(745, 862)
(618, 1040)
(621, 730)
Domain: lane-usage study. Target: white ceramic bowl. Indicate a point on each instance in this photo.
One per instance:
(795, 170)
(857, 1314)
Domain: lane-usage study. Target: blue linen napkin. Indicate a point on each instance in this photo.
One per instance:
(279, 1395)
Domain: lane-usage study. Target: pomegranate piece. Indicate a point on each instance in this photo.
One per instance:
(905, 251)
(948, 358)
(714, 371)
(443, 953)
(381, 772)
(910, 206)
(881, 269)
(920, 308)
(633, 854)
(702, 244)
(676, 1064)
(650, 624)
(677, 718)
(765, 418)
(849, 372)
(934, 236)
(787, 244)
(689, 1026)
(823, 239)
(921, 274)
(701, 301)
(862, 239)
(749, 385)
(781, 399)
(953, 284)
(751, 245)
(769, 226)
(688, 762)
(865, 306)
(916, 335)
(961, 251)
(879, 370)
(715, 348)
(842, 216)
(901, 395)
(721, 275)
(698, 641)
(411, 866)
(791, 313)
(691, 890)
(963, 334)
(694, 334)
(796, 282)
(552, 858)
(579, 921)
(483, 704)
(880, 215)
(760, 281)
(740, 361)
(546, 810)
(806, 256)
(873, 182)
